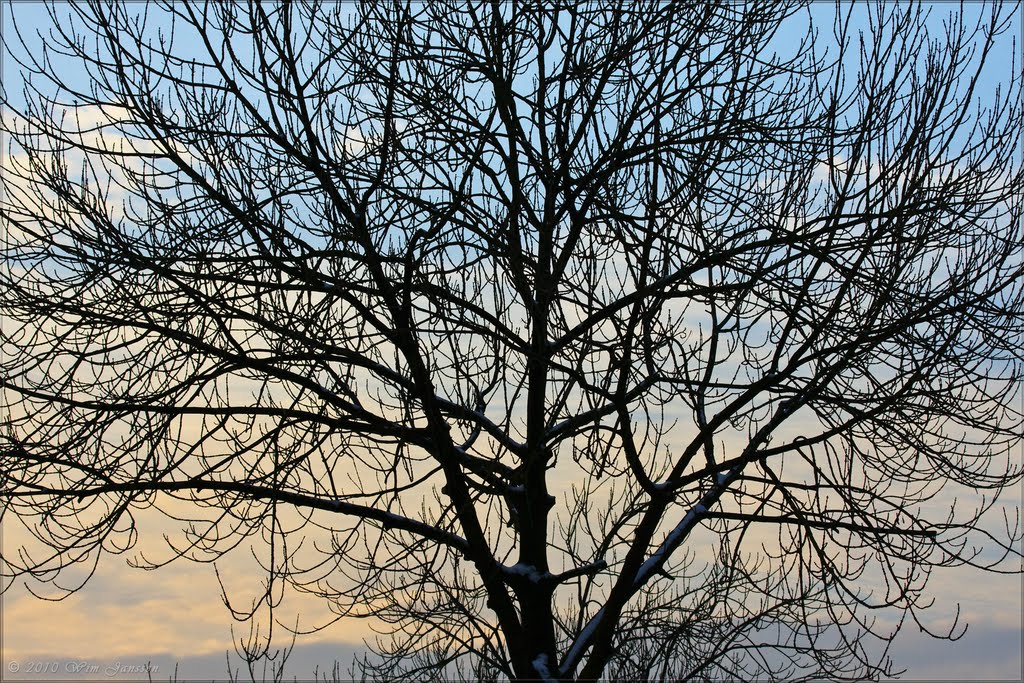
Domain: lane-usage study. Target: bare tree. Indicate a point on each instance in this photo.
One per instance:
(648, 341)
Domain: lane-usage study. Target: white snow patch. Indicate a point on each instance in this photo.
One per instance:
(582, 642)
(527, 571)
(540, 663)
(647, 568)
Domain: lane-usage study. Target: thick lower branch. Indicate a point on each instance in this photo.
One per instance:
(388, 520)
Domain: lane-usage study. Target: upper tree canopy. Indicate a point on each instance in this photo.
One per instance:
(659, 340)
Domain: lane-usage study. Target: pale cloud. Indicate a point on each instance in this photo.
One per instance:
(123, 614)
(175, 611)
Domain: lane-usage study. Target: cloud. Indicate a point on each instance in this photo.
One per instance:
(174, 614)
(985, 653)
(305, 660)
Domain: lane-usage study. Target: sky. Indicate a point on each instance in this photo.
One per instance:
(174, 617)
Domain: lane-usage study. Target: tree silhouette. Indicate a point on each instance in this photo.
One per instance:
(649, 341)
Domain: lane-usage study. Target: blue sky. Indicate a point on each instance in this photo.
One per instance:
(175, 615)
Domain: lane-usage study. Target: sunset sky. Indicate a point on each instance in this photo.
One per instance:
(125, 617)
(175, 615)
